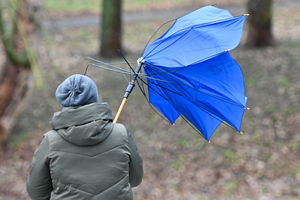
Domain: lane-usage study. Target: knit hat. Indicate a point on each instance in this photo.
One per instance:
(77, 90)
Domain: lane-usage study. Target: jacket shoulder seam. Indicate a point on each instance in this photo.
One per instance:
(123, 129)
(48, 136)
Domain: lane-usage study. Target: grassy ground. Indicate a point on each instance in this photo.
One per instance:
(59, 8)
(261, 164)
(73, 7)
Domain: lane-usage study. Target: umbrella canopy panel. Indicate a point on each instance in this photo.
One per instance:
(191, 73)
(195, 37)
(206, 93)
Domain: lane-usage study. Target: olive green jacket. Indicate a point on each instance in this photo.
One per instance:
(85, 156)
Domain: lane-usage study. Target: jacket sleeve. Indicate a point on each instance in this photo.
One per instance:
(136, 164)
(39, 184)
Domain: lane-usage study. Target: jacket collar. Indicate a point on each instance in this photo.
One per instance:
(74, 116)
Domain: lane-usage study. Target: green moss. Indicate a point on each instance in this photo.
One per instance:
(290, 111)
(265, 156)
(294, 145)
(230, 155)
(270, 108)
(297, 190)
(230, 187)
(296, 171)
(283, 82)
(182, 143)
(251, 82)
(16, 139)
(178, 163)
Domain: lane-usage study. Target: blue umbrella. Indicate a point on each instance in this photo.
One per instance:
(190, 72)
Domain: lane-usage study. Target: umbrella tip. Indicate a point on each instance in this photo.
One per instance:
(140, 60)
(209, 142)
(247, 14)
(248, 108)
(241, 132)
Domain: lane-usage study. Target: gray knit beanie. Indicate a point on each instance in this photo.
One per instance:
(77, 90)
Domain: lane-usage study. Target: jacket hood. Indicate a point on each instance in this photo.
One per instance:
(85, 125)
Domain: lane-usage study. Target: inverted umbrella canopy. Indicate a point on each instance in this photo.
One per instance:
(191, 73)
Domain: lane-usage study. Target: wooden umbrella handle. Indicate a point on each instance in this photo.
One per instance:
(120, 110)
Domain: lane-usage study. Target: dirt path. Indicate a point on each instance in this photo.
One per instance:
(145, 16)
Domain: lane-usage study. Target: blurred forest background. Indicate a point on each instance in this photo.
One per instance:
(45, 41)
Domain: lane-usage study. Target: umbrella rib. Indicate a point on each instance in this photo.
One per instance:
(201, 107)
(149, 101)
(153, 89)
(182, 96)
(155, 32)
(155, 110)
(141, 89)
(209, 23)
(212, 115)
(190, 27)
(204, 109)
(213, 96)
(109, 69)
(217, 118)
(167, 89)
(216, 97)
(120, 70)
(165, 47)
(144, 76)
(107, 64)
(199, 132)
(191, 125)
(182, 68)
(174, 71)
(113, 63)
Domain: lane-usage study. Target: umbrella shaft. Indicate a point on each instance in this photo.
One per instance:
(128, 91)
(131, 84)
(129, 88)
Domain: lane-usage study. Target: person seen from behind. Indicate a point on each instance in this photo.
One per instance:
(85, 156)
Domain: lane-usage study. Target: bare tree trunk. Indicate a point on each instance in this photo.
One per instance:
(260, 23)
(15, 85)
(111, 28)
(16, 76)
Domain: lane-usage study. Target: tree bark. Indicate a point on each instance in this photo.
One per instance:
(15, 85)
(260, 23)
(16, 74)
(111, 28)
